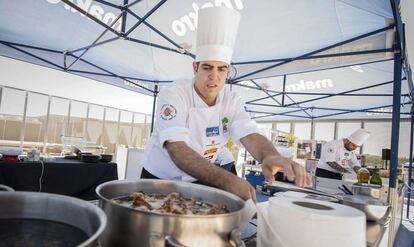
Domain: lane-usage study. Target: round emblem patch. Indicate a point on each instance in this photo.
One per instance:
(168, 112)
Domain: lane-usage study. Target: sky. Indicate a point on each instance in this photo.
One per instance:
(36, 78)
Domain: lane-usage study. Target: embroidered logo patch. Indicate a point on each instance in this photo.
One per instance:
(212, 131)
(224, 123)
(209, 153)
(168, 112)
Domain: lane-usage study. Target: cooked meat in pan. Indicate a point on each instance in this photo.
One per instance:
(172, 203)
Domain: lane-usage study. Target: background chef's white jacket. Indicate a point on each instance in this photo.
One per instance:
(179, 98)
(335, 151)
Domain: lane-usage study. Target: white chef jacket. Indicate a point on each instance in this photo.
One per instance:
(224, 156)
(175, 106)
(335, 151)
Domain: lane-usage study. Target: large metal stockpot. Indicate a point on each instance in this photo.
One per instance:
(5, 188)
(43, 219)
(132, 227)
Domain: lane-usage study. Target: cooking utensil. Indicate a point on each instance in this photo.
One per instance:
(348, 192)
(375, 210)
(106, 157)
(343, 190)
(90, 158)
(371, 190)
(282, 187)
(42, 219)
(133, 227)
(71, 157)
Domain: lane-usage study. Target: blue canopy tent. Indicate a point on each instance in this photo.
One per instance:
(321, 59)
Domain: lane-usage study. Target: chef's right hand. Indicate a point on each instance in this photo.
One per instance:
(241, 188)
(293, 171)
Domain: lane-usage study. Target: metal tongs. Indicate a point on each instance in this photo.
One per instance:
(345, 190)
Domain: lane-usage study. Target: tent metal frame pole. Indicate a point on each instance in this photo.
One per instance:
(410, 168)
(283, 90)
(366, 110)
(265, 91)
(353, 53)
(133, 3)
(297, 104)
(12, 45)
(124, 16)
(318, 51)
(277, 114)
(94, 42)
(108, 4)
(332, 94)
(181, 49)
(153, 45)
(345, 111)
(74, 6)
(129, 78)
(95, 45)
(148, 14)
(346, 92)
(287, 115)
(30, 54)
(153, 106)
(113, 74)
(395, 126)
(321, 69)
(331, 109)
(326, 96)
(24, 119)
(30, 46)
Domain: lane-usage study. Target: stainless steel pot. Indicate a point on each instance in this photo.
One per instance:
(132, 227)
(33, 216)
(5, 188)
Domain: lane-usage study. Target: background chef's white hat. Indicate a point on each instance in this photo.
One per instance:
(216, 33)
(359, 137)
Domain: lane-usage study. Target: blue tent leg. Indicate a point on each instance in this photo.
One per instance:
(395, 135)
(395, 132)
(153, 106)
(410, 169)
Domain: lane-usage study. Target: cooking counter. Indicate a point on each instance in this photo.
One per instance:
(61, 176)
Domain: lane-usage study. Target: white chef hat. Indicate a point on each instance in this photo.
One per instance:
(216, 33)
(359, 137)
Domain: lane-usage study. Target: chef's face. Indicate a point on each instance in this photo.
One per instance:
(209, 79)
(350, 146)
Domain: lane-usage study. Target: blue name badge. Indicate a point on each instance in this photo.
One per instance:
(212, 131)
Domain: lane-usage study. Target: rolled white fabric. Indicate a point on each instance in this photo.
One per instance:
(296, 222)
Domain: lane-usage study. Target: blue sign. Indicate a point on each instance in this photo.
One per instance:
(212, 131)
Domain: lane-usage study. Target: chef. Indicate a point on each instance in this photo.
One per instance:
(195, 118)
(338, 156)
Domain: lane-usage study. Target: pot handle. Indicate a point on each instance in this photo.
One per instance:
(170, 241)
(235, 239)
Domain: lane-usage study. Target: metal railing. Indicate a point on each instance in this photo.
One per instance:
(44, 130)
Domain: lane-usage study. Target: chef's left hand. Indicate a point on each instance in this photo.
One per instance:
(292, 170)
